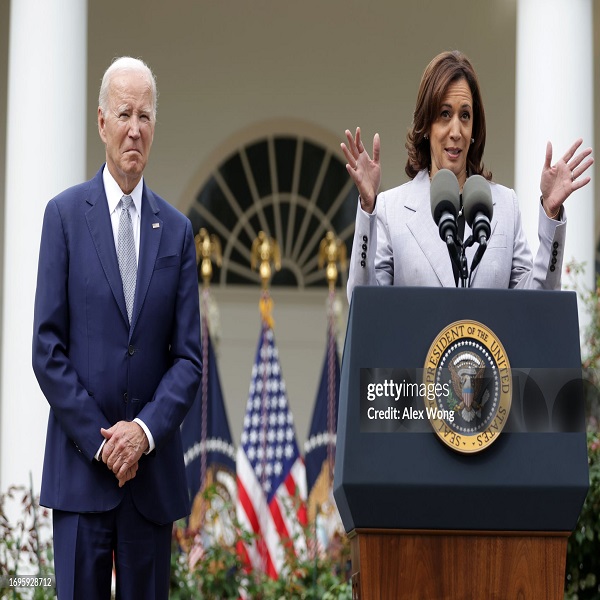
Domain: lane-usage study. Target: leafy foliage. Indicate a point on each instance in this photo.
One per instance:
(220, 573)
(217, 574)
(25, 546)
(583, 553)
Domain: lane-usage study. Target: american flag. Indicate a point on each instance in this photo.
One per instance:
(270, 472)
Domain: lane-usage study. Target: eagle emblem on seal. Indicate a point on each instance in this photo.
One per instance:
(466, 371)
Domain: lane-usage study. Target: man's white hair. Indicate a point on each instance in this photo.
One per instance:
(126, 63)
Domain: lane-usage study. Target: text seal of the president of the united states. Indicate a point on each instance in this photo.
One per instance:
(470, 363)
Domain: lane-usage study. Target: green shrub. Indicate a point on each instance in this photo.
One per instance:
(25, 546)
(583, 553)
(220, 574)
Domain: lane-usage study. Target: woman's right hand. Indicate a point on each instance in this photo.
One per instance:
(364, 170)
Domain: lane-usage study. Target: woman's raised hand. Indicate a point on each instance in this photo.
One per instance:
(560, 180)
(364, 170)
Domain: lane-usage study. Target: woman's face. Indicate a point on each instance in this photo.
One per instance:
(450, 134)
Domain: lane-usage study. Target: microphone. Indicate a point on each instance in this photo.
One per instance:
(445, 204)
(478, 207)
(477, 204)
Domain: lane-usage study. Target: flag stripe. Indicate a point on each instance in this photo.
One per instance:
(279, 521)
(265, 553)
(248, 507)
(258, 555)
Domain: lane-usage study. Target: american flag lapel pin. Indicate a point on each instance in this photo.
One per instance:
(155, 225)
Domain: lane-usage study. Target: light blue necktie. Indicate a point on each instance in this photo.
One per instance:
(126, 254)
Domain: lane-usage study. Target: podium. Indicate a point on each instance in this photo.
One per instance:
(429, 521)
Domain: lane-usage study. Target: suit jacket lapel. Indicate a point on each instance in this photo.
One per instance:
(100, 227)
(425, 231)
(151, 228)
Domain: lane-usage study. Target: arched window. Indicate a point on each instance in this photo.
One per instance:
(292, 188)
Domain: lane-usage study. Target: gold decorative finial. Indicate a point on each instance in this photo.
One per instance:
(332, 250)
(208, 247)
(265, 250)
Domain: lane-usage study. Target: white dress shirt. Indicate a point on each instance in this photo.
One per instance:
(113, 196)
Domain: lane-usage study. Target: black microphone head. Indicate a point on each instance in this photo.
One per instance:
(477, 198)
(445, 194)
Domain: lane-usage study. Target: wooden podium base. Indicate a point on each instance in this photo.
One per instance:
(391, 564)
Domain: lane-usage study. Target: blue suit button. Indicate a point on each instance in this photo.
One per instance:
(131, 350)
(125, 397)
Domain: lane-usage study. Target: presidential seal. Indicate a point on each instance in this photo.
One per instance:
(468, 370)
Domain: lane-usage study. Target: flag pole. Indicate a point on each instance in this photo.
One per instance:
(208, 248)
(264, 251)
(331, 425)
(331, 250)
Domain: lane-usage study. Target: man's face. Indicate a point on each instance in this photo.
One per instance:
(127, 127)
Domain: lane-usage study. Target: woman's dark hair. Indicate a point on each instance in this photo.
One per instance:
(445, 69)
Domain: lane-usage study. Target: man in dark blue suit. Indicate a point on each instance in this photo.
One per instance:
(116, 351)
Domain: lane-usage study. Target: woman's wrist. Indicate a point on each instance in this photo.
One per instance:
(549, 214)
(368, 205)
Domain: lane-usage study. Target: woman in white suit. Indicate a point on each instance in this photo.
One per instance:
(396, 241)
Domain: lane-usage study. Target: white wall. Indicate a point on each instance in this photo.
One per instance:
(222, 66)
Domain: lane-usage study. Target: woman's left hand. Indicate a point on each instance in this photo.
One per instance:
(558, 182)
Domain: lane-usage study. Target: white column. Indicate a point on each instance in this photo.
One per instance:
(45, 153)
(555, 102)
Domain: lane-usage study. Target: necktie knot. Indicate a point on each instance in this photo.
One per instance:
(126, 202)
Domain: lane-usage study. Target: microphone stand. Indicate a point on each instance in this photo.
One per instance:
(465, 276)
(456, 249)
(463, 270)
(465, 279)
(478, 255)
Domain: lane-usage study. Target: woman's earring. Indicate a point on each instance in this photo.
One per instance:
(426, 136)
(472, 140)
